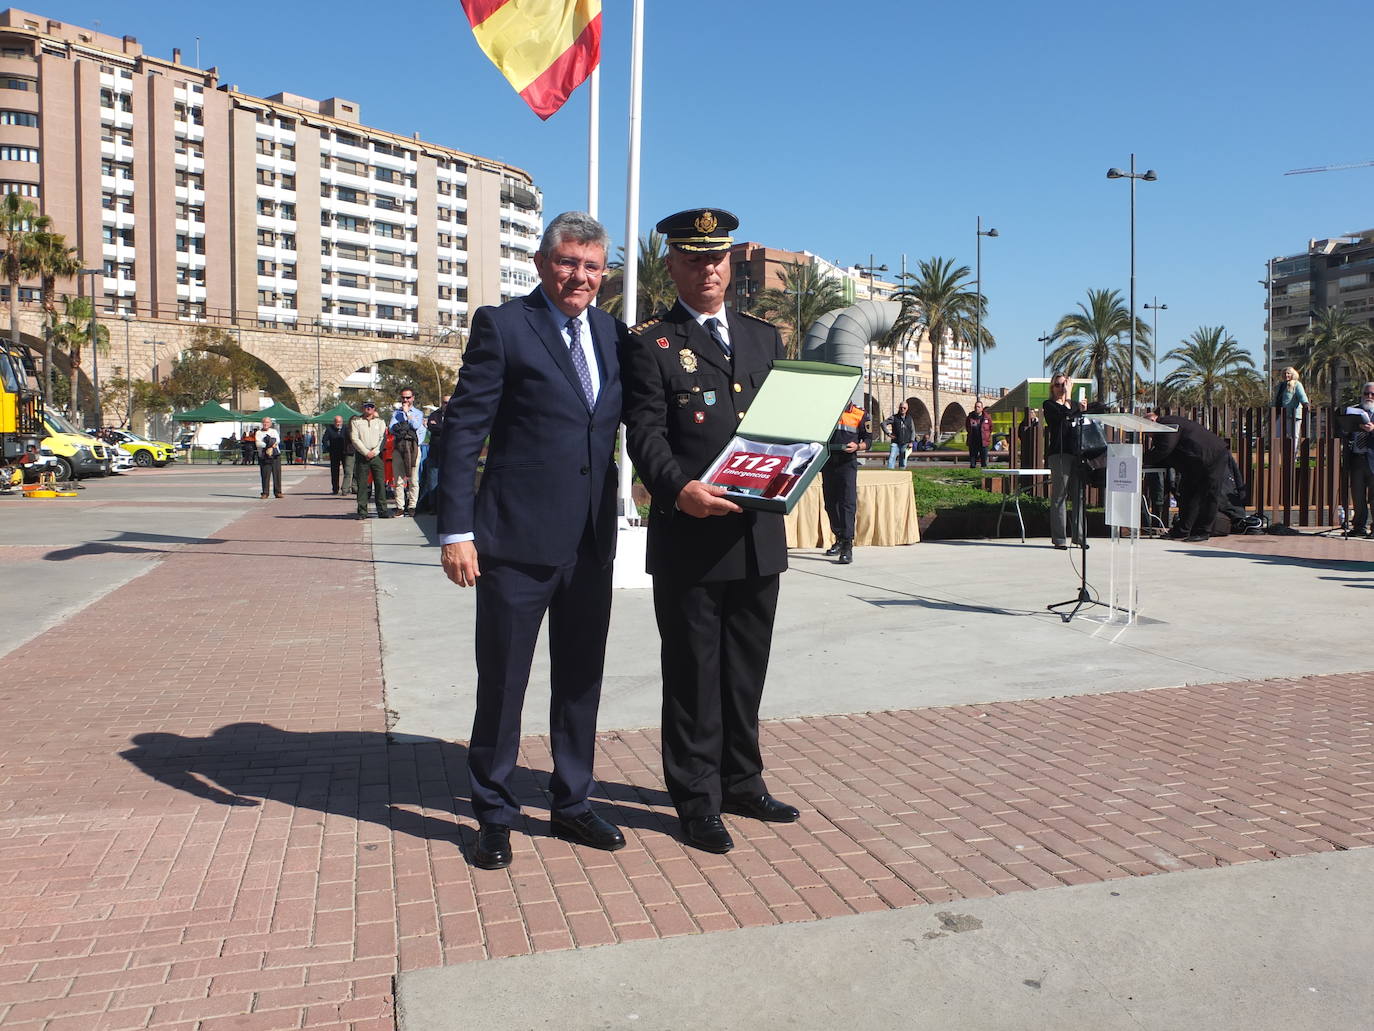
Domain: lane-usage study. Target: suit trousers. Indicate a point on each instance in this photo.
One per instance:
(1063, 482)
(1200, 485)
(340, 471)
(1361, 489)
(362, 465)
(512, 598)
(840, 492)
(716, 639)
(270, 471)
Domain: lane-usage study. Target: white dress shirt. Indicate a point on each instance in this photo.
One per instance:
(723, 328)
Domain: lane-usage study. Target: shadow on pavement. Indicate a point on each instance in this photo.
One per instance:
(362, 775)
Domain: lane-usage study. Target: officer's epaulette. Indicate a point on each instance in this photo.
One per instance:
(749, 316)
(656, 317)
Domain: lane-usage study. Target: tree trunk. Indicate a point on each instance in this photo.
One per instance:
(934, 387)
(73, 406)
(1100, 375)
(14, 311)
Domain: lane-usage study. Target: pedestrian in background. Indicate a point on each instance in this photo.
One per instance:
(368, 435)
(340, 451)
(1290, 399)
(901, 429)
(978, 427)
(268, 441)
(407, 430)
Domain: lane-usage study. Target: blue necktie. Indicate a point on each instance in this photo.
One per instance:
(579, 360)
(713, 327)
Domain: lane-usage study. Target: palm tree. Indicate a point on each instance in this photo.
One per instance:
(654, 289)
(1119, 362)
(73, 331)
(49, 258)
(805, 296)
(1333, 340)
(1088, 336)
(937, 302)
(1208, 363)
(19, 222)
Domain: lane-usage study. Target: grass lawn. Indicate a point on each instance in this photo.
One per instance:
(961, 488)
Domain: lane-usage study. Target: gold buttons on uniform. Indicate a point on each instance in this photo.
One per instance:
(740, 414)
(738, 388)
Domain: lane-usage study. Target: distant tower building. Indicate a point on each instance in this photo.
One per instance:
(1332, 273)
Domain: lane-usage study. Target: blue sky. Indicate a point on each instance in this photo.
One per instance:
(888, 126)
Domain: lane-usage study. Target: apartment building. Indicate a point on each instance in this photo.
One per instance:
(203, 203)
(1331, 273)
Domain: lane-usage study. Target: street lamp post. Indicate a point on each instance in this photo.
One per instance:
(128, 375)
(95, 354)
(797, 331)
(978, 309)
(1155, 307)
(1149, 175)
(870, 270)
(1044, 342)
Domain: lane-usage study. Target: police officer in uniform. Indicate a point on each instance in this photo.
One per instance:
(840, 479)
(690, 374)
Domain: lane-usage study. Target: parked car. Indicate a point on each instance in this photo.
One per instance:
(145, 452)
(78, 454)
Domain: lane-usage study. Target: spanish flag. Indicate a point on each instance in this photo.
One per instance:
(544, 48)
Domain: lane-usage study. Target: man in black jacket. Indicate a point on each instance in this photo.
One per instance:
(340, 451)
(690, 375)
(1199, 457)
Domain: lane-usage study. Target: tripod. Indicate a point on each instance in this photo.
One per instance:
(1080, 524)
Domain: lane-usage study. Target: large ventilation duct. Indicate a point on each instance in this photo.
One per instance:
(853, 329)
(813, 344)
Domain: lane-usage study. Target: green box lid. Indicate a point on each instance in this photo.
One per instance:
(800, 401)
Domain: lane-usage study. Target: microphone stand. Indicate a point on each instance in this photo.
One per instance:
(1080, 517)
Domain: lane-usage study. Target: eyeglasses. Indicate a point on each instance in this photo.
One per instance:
(407, 397)
(1059, 383)
(1369, 393)
(571, 265)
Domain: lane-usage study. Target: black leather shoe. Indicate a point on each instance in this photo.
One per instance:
(708, 834)
(834, 549)
(360, 515)
(493, 847)
(762, 807)
(587, 829)
(846, 553)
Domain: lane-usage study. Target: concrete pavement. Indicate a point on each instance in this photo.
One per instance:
(1008, 821)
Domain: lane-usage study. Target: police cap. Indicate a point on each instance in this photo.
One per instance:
(699, 229)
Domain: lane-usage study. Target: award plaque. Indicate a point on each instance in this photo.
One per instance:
(780, 446)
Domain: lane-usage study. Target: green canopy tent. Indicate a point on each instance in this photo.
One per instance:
(210, 411)
(342, 408)
(281, 414)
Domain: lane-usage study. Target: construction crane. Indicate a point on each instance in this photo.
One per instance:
(1330, 168)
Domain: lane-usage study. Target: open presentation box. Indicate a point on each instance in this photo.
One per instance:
(781, 443)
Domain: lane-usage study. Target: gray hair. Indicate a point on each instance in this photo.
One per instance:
(577, 226)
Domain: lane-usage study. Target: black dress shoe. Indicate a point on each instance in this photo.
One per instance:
(1195, 538)
(762, 807)
(493, 847)
(708, 834)
(587, 829)
(846, 553)
(834, 549)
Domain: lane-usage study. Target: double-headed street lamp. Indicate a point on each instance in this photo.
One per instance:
(870, 270)
(1149, 176)
(978, 309)
(95, 354)
(1044, 342)
(1156, 307)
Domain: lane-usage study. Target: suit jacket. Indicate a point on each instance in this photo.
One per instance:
(1192, 444)
(683, 402)
(550, 469)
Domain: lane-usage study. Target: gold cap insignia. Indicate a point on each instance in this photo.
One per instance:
(688, 359)
(706, 222)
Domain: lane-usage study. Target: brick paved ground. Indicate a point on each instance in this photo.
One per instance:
(206, 828)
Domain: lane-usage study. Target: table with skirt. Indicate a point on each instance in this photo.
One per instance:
(886, 514)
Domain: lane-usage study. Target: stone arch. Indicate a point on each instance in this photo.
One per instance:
(952, 421)
(874, 408)
(274, 383)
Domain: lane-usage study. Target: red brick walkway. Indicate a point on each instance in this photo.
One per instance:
(205, 827)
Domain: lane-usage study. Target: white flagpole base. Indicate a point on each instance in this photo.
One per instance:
(631, 546)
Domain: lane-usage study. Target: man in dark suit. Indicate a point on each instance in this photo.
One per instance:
(1199, 457)
(540, 385)
(690, 375)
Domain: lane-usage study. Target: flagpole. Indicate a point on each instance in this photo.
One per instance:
(630, 274)
(594, 140)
